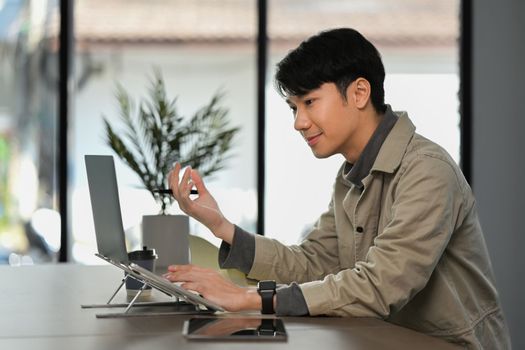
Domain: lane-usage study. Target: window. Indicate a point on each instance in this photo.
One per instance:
(29, 221)
(199, 47)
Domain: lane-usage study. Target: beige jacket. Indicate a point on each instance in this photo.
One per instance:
(408, 249)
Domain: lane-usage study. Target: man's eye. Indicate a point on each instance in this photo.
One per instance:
(308, 102)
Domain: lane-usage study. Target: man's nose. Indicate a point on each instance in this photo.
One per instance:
(301, 122)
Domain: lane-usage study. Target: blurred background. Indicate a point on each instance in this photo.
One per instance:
(201, 46)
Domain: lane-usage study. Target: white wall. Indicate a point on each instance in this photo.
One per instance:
(499, 146)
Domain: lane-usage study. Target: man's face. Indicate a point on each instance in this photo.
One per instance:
(326, 121)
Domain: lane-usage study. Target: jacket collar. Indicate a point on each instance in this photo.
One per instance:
(395, 145)
(355, 173)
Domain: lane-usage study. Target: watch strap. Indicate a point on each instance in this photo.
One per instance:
(266, 290)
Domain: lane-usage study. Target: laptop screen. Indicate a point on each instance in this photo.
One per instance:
(105, 205)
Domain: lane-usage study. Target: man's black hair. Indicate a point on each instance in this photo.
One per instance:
(337, 56)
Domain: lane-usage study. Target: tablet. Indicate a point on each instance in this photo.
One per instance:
(234, 328)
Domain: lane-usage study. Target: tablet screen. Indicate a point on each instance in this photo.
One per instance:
(233, 328)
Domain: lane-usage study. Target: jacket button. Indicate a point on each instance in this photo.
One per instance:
(359, 229)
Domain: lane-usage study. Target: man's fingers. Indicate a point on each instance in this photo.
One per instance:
(185, 179)
(186, 267)
(180, 276)
(197, 180)
(186, 273)
(184, 190)
(174, 180)
(192, 286)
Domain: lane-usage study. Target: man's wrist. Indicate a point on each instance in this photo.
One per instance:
(224, 231)
(253, 300)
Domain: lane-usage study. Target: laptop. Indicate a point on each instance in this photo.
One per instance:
(105, 205)
(109, 231)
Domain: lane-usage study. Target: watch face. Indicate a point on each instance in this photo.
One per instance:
(266, 285)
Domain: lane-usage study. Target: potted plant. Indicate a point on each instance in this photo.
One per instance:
(155, 135)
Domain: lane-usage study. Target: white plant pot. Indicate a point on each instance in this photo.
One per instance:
(168, 235)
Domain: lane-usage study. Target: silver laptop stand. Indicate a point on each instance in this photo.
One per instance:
(134, 308)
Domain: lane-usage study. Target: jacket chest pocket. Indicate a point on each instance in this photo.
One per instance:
(365, 232)
(357, 222)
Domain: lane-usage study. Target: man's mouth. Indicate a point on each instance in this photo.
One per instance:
(312, 140)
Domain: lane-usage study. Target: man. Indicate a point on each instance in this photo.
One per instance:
(401, 238)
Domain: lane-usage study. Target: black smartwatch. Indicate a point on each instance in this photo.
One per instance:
(266, 290)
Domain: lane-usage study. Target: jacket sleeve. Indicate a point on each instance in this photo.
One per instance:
(427, 205)
(314, 258)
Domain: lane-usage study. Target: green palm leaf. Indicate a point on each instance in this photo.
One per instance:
(154, 136)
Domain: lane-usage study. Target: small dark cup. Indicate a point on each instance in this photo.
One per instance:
(145, 258)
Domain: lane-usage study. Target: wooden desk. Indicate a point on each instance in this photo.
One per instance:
(40, 309)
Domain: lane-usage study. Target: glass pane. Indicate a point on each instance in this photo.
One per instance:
(29, 220)
(418, 42)
(197, 54)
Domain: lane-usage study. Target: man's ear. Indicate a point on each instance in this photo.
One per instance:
(360, 92)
